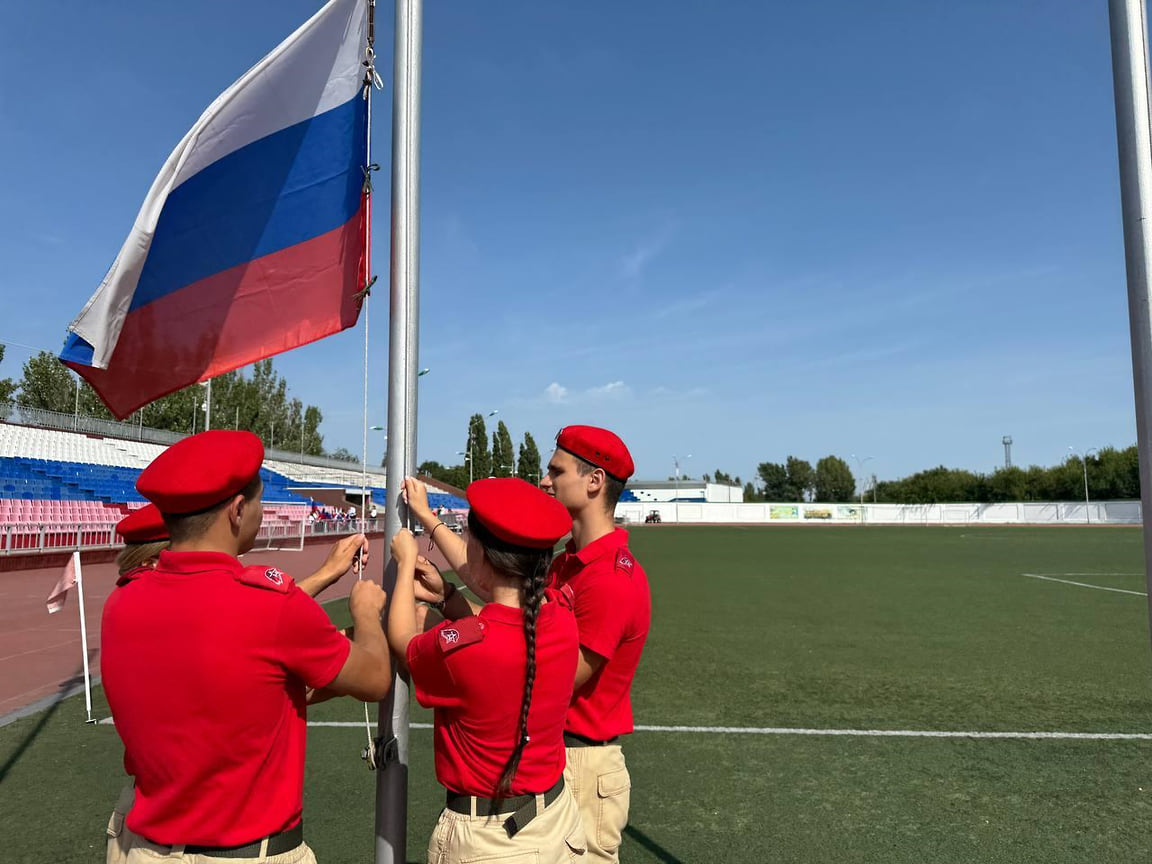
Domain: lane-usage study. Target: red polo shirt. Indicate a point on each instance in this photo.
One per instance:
(613, 612)
(205, 664)
(472, 672)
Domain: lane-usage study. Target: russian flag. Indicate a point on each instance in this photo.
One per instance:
(252, 241)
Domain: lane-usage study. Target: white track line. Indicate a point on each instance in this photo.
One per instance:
(1084, 584)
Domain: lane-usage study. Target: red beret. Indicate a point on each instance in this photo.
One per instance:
(145, 525)
(602, 448)
(200, 472)
(518, 513)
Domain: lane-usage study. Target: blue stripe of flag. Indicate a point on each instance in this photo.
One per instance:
(274, 193)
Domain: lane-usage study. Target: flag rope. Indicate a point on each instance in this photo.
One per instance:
(371, 79)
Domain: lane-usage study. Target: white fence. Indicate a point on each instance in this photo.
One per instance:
(41, 539)
(1008, 513)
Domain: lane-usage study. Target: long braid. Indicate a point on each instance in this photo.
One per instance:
(531, 598)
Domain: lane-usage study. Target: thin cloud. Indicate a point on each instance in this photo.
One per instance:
(635, 262)
(662, 392)
(610, 390)
(687, 305)
(557, 394)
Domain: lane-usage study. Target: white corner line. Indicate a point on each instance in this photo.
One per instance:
(1084, 584)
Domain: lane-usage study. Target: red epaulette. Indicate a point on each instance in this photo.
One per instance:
(456, 634)
(624, 561)
(567, 596)
(132, 575)
(266, 577)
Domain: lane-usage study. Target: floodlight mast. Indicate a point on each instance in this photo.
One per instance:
(1129, 29)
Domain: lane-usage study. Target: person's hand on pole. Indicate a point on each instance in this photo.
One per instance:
(366, 603)
(404, 548)
(349, 553)
(429, 582)
(416, 497)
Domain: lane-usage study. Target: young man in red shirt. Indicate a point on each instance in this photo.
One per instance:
(207, 664)
(613, 607)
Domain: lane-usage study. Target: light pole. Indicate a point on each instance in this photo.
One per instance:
(76, 410)
(207, 404)
(364, 468)
(676, 505)
(860, 467)
(471, 478)
(467, 458)
(1084, 462)
(272, 436)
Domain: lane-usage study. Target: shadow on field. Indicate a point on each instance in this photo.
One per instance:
(662, 854)
(62, 692)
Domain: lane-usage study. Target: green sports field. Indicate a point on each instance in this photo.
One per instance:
(771, 629)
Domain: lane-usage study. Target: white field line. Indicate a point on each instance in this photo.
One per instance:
(1084, 584)
(856, 733)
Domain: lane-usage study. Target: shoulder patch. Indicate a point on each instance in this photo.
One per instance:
(268, 578)
(567, 596)
(456, 634)
(132, 575)
(624, 561)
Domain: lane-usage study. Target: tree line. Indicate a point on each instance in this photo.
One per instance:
(481, 459)
(1113, 474)
(256, 399)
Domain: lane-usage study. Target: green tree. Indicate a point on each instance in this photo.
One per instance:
(801, 479)
(453, 475)
(833, 480)
(7, 390)
(1008, 484)
(432, 468)
(503, 455)
(344, 455)
(477, 447)
(773, 482)
(750, 493)
(47, 384)
(528, 465)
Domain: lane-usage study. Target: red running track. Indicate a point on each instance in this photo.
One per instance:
(40, 654)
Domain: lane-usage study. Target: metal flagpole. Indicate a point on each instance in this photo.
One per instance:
(83, 635)
(1130, 82)
(403, 370)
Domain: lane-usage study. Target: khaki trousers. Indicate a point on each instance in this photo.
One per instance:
(119, 836)
(143, 852)
(556, 836)
(601, 786)
(124, 847)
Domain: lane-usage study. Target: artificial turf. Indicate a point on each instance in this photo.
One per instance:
(806, 627)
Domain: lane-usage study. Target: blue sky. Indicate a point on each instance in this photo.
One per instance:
(737, 230)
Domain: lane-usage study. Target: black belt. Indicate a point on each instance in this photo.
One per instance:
(278, 844)
(523, 807)
(571, 739)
